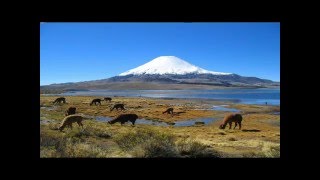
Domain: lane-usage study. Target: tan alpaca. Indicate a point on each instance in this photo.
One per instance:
(69, 120)
(229, 119)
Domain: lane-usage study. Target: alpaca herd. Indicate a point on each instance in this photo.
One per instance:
(71, 116)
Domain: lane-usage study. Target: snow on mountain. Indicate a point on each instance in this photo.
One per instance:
(169, 65)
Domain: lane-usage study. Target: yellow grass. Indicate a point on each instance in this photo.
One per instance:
(259, 136)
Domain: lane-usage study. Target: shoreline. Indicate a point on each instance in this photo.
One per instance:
(227, 101)
(121, 87)
(191, 95)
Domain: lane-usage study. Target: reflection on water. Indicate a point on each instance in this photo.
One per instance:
(192, 122)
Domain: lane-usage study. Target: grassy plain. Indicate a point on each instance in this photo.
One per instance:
(259, 137)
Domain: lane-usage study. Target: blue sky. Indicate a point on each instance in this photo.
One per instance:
(73, 52)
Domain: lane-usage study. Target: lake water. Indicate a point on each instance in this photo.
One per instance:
(245, 96)
(222, 108)
(189, 122)
(192, 122)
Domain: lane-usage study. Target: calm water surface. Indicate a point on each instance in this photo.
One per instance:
(243, 96)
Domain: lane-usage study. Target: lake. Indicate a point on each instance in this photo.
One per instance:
(189, 122)
(244, 96)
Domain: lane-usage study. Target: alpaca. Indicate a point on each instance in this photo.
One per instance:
(228, 119)
(70, 111)
(169, 111)
(59, 100)
(95, 101)
(69, 120)
(118, 106)
(123, 118)
(107, 99)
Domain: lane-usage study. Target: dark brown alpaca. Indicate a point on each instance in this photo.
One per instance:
(228, 119)
(107, 99)
(117, 106)
(95, 101)
(123, 118)
(69, 120)
(169, 111)
(59, 100)
(70, 111)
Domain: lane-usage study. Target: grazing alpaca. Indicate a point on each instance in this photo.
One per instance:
(69, 120)
(70, 111)
(59, 100)
(117, 106)
(169, 111)
(228, 119)
(95, 101)
(123, 118)
(107, 99)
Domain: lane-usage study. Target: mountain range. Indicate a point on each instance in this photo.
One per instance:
(166, 72)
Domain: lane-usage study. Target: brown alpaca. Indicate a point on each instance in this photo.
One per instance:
(95, 101)
(123, 118)
(70, 111)
(59, 100)
(107, 99)
(228, 119)
(118, 106)
(69, 120)
(169, 111)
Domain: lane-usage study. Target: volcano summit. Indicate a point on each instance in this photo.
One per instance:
(169, 65)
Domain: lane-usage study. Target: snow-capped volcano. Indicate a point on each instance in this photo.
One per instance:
(166, 72)
(169, 65)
